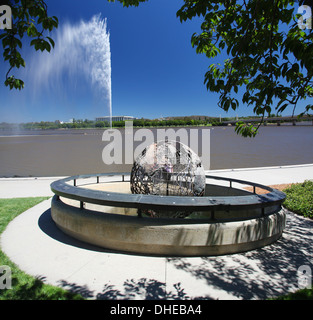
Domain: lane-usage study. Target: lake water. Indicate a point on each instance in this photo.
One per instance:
(71, 152)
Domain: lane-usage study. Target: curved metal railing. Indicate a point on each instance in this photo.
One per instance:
(64, 188)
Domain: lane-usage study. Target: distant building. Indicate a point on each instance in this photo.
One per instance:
(115, 118)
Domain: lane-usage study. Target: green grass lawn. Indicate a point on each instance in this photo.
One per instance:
(25, 287)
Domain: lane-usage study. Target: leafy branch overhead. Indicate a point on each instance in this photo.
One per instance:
(128, 3)
(29, 17)
(268, 55)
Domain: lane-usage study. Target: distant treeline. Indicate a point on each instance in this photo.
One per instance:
(92, 124)
(81, 124)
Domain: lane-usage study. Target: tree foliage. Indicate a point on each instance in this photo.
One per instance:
(128, 3)
(30, 18)
(268, 55)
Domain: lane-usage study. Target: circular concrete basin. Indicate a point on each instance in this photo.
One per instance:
(226, 220)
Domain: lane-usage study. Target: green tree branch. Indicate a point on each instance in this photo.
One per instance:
(30, 18)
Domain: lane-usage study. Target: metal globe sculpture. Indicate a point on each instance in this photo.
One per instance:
(168, 168)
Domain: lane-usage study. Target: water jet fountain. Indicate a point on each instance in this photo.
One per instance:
(78, 67)
(167, 206)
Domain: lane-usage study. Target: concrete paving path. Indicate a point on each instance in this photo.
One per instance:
(39, 248)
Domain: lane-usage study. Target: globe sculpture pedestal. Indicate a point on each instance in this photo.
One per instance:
(102, 210)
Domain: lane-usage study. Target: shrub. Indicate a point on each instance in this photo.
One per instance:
(300, 198)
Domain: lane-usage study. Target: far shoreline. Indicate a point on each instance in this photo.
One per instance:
(40, 131)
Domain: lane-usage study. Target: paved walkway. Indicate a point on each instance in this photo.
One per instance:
(38, 247)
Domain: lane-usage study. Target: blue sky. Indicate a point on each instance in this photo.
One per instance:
(155, 70)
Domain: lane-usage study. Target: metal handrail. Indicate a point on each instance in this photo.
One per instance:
(158, 202)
